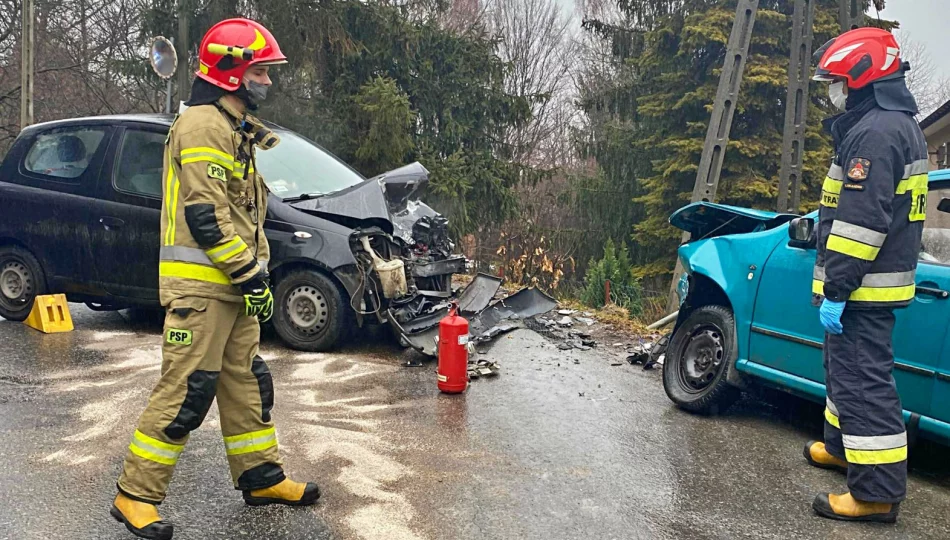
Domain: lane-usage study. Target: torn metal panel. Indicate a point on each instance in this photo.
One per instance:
(452, 265)
(479, 293)
(505, 315)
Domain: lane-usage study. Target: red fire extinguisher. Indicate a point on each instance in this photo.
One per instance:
(453, 352)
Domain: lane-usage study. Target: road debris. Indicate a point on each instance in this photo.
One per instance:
(566, 322)
(585, 320)
(482, 368)
(649, 353)
(567, 311)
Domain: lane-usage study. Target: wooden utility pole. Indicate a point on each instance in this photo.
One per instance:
(184, 74)
(26, 64)
(796, 105)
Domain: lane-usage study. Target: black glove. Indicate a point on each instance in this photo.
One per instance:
(258, 300)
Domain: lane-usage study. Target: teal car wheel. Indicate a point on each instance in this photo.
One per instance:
(700, 355)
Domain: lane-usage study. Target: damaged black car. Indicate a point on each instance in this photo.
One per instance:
(83, 199)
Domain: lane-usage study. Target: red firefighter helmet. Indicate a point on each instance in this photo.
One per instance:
(232, 46)
(862, 56)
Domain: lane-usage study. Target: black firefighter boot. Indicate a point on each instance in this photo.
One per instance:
(140, 518)
(286, 492)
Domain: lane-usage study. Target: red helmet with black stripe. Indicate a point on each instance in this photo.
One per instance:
(861, 56)
(232, 46)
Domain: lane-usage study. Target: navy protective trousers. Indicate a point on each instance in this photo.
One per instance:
(863, 419)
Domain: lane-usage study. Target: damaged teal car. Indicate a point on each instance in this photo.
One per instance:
(746, 315)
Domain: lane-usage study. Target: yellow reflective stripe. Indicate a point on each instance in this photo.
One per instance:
(227, 251)
(247, 443)
(851, 248)
(832, 419)
(876, 457)
(872, 294)
(883, 294)
(830, 191)
(169, 269)
(175, 190)
(206, 153)
(832, 186)
(157, 443)
(207, 150)
(916, 182)
(154, 450)
(169, 183)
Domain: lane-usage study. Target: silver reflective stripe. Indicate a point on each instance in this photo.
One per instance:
(250, 442)
(155, 450)
(184, 254)
(879, 442)
(263, 263)
(831, 406)
(895, 279)
(819, 273)
(857, 233)
(921, 166)
(836, 172)
(225, 254)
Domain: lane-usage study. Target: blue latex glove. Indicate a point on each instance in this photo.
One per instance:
(830, 315)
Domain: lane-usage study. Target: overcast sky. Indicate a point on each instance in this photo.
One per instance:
(926, 21)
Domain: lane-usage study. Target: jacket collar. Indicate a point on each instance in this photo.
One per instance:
(842, 123)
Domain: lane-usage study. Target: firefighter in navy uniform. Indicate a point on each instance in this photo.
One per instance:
(873, 205)
(213, 284)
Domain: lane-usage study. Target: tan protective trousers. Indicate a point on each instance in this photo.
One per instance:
(209, 350)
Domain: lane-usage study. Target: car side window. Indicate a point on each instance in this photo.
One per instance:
(64, 153)
(935, 243)
(139, 164)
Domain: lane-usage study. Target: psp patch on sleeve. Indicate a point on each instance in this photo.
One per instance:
(217, 171)
(859, 169)
(176, 336)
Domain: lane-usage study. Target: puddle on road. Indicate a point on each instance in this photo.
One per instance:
(349, 429)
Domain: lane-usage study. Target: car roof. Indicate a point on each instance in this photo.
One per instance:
(159, 119)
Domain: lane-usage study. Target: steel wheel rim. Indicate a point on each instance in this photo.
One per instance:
(308, 310)
(16, 284)
(703, 358)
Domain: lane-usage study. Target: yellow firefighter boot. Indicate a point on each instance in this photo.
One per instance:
(847, 508)
(140, 518)
(817, 456)
(286, 492)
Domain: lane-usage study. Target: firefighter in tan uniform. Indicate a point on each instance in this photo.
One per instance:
(213, 281)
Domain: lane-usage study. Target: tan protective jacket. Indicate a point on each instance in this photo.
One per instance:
(212, 212)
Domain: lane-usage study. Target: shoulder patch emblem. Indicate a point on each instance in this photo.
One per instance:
(217, 171)
(859, 169)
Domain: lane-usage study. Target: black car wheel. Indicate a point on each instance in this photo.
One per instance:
(309, 311)
(698, 360)
(21, 281)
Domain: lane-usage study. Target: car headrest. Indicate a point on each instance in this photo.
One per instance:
(70, 148)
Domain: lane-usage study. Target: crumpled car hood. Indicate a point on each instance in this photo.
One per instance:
(388, 201)
(706, 219)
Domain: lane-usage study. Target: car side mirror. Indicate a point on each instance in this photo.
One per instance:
(801, 233)
(944, 205)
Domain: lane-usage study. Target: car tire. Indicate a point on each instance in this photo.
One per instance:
(21, 281)
(701, 353)
(309, 312)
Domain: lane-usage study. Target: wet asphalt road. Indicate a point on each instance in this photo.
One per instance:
(559, 446)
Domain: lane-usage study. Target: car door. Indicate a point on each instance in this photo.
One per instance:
(57, 175)
(936, 250)
(126, 218)
(787, 335)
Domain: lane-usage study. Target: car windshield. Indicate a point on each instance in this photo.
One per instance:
(299, 168)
